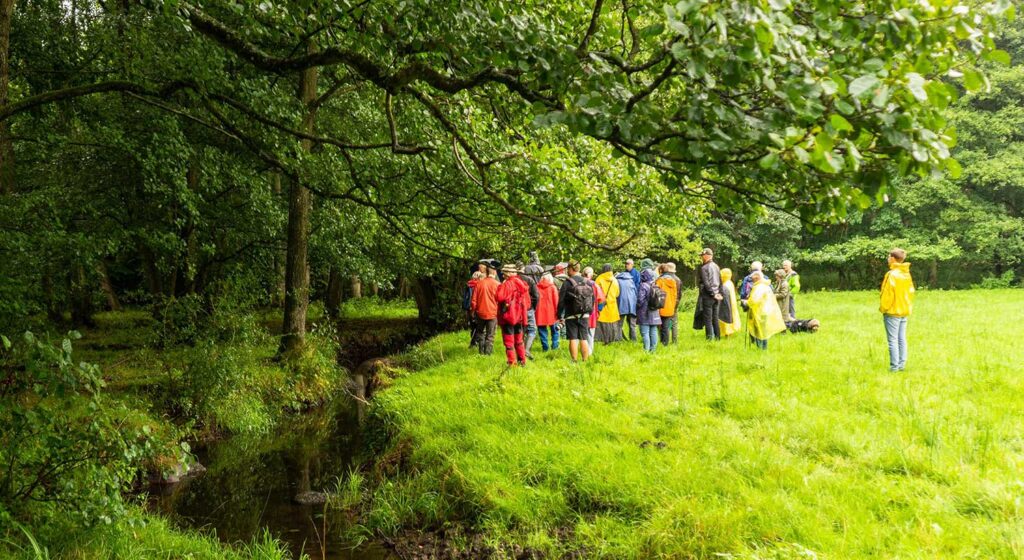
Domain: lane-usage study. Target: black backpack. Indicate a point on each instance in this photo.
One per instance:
(657, 298)
(580, 298)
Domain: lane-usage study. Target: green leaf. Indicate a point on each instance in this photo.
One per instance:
(769, 161)
(973, 80)
(6, 341)
(881, 96)
(954, 168)
(840, 123)
(863, 84)
(998, 56)
(916, 84)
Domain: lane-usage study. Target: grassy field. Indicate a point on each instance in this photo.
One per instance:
(722, 451)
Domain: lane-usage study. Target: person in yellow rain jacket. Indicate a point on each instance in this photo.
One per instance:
(897, 303)
(608, 329)
(729, 291)
(764, 318)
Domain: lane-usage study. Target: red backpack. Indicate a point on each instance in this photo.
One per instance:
(513, 302)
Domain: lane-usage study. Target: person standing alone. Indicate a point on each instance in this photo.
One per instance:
(710, 297)
(896, 305)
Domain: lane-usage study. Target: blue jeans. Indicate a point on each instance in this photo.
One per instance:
(792, 307)
(896, 333)
(546, 332)
(531, 329)
(762, 344)
(649, 334)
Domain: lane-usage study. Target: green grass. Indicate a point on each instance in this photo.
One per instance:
(812, 447)
(140, 536)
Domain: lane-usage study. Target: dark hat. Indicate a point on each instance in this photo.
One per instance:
(646, 264)
(606, 268)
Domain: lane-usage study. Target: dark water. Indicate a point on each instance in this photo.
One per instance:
(251, 482)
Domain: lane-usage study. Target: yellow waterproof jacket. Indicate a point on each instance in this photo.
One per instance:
(608, 283)
(764, 317)
(897, 291)
(729, 289)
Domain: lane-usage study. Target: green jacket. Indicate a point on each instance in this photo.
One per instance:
(793, 279)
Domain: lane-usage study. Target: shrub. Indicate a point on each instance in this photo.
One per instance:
(67, 451)
(216, 387)
(996, 282)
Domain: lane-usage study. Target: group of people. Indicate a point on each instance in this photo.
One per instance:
(568, 302)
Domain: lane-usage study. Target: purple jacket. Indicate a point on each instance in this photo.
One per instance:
(645, 316)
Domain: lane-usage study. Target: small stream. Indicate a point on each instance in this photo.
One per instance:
(251, 483)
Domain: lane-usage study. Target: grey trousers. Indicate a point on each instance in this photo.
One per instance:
(629, 320)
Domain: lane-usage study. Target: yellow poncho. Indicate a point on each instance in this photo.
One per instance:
(731, 328)
(764, 318)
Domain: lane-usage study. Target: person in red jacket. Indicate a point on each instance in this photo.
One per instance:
(547, 313)
(484, 307)
(513, 299)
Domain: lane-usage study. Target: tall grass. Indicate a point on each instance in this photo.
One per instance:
(719, 450)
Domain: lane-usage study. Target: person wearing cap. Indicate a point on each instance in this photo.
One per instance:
(748, 282)
(672, 285)
(710, 297)
(782, 294)
(513, 298)
(647, 264)
(484, 307)
(764, 318)
(575, 317)
(648, 319)
(608, 328)
(547, 313)
(733, 325)
(599, 302)
(793, 279)
(531, 274)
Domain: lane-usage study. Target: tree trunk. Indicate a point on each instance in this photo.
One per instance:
(156, 287)
(374, 289)
(296, 296)
(425, 294)
(81, 299)
(277, 295)
(6, 143)
(54, 312)
(334, 294)
(357, 287)
(108, 287)
(933, 274)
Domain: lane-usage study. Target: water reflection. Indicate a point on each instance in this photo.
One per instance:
(251, 484)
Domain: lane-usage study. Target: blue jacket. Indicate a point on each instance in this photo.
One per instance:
(636, 278)
(627, 293)
(645, 316)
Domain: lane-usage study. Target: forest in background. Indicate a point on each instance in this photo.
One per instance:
(200, 163)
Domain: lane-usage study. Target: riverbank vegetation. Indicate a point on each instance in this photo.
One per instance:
(706, 450)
